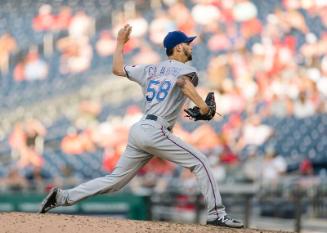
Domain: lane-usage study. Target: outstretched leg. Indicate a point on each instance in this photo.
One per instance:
(130, 162)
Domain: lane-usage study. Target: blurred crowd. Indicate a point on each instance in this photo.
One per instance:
(86, 134)
(262, 59)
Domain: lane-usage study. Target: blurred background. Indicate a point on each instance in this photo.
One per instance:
(64, 118)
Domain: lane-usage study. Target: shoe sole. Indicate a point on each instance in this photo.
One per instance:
(225, 225)
(43, 210)
(238, 227)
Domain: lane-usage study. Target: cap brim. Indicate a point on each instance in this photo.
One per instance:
(190, 39)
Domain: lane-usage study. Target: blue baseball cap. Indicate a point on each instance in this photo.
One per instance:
(176, 37)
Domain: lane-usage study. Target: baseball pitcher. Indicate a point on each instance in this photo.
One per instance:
(165, 86)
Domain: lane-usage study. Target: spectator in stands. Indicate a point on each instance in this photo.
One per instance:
(81, 25)
(232, 131)
(280, 106)
(44, 21)
(294, 20)
(8, 46)
(19, 70)
(111, 157)
(140, 25)
(106, 44)
(13, 181)
(229, 160)
(17, 140)
(244, 10)
(227, 156)
(23, 143)
(250, 29)
(273, 167)
(312, 48)
(35, 67)
(76, 54)
(71, 144)
(303, 107)
(63, 19)
(307, 180)
(180, 14)
(322, 79)
(103, 134)
(86, 139)
(30, 67)
(218, 42)
(75, 143)
(306, 168)
(254, 132)
(251, 166)
(35, 133)
(29, 157)
(229, 98)
(217, 70)
(204, 14)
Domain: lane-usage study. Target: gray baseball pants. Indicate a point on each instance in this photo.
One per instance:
(148, 138)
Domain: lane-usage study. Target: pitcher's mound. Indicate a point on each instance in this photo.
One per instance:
(57, 223)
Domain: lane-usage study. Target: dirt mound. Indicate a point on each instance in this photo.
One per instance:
(54, 223)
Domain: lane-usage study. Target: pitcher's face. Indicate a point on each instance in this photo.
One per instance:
(187, 50)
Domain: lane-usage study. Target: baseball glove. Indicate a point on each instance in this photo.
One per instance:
(195, 114)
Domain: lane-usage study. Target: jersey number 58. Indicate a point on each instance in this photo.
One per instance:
(159, 93)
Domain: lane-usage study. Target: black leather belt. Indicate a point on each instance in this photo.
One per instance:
(154, 118)
(151, 117)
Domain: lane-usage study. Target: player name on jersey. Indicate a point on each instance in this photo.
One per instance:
(153, 71)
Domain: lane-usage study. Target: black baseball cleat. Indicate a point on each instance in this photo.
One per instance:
(226, 221)
(49, 202)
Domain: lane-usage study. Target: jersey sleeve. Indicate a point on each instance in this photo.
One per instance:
(136, 73)
(192, 73)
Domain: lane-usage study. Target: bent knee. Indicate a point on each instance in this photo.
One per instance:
(199, 166)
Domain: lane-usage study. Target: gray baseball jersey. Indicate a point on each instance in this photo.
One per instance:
(152, 137)
(162, 97)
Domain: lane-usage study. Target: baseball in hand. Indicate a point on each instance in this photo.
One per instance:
(124, 33)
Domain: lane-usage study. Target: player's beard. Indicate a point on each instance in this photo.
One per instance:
(188, 54)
